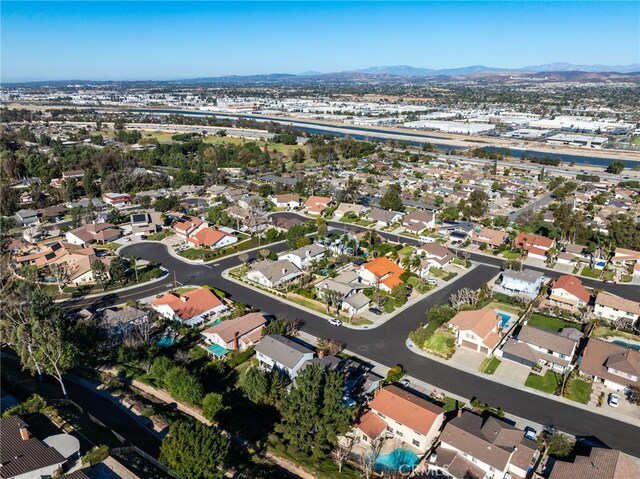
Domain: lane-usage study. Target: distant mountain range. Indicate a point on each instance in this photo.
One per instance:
(407, 70)
(404, 73)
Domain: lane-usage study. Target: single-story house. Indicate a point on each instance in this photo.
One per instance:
(315, 205)
(100, 233)
(457, 230)
(288, 201)
(383, 217)
(488, 236)
(344, 208)
(211, 238)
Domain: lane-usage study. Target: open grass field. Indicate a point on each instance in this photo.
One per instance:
(547, 383)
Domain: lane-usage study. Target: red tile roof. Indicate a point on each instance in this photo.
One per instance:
(572, 285)
(207, 236)
(195, 303)
(383, 266)
(406, 408)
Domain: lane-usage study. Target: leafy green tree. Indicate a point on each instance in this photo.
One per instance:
(256, 384)
(165, 204)
(118, 269)
(615, 167)
(212, 406)
(399, 293)
(312, 414)
(100, 275)
(183, 385)
(559, 445)
(89, 184)
(194, 450)
(477, 205)
(391, 199)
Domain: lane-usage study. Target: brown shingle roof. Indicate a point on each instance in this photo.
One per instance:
(597, 354)
(600, 464)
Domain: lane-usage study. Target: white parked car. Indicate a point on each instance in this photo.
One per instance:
(432, 280)
(427, 239)
(335, 322)
(614, 400)
(404, 383)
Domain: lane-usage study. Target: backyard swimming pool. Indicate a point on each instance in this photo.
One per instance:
(166, 341)
(396, 460)
(626, 345)
(504, 321)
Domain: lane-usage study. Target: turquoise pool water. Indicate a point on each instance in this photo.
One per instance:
(166, 341)
(627, 345)
(396, 460)
(504, 322)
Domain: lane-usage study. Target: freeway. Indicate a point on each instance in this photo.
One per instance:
(386, 343)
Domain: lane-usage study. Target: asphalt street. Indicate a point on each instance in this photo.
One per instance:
(386, 343)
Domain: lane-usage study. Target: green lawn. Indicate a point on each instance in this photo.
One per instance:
(547, 383)
(441, 343)
(510, 254)
(551, 324)
(160, 235)
(198, 254)
(489, 366)
(590, 273)
(503, 307)
(450, 404)
(578, 390)
(108, 246)
(405, 251)
(389, 305)
(358, 321)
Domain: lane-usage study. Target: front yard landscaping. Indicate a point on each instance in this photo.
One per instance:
(160, 235)
(442, 344)
(551, 324)
(590, 273)
(490, 365)
(605, 332)
(442, 274)
(578, 390)
(548, 383)
(511, 254)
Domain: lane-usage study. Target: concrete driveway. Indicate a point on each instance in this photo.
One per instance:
(465, 358)
(511, 373)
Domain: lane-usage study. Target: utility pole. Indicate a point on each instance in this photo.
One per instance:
(175, 281)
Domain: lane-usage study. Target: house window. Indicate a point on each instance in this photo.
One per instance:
(474, 460)
(364, 438)
(389, 428)
(416, 443)
(399, 433)
(492, 469)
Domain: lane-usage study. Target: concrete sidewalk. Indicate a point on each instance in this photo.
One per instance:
(506, 381)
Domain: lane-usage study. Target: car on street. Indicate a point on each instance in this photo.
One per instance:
(614, 400)
(375, 311)
(404, 383)
(335, 322)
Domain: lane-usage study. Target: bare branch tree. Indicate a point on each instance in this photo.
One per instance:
(244, 257)
(463, 297)
(342, 451)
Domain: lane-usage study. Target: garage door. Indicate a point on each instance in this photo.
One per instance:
(484, 350)
(470, 345)
(517, 359)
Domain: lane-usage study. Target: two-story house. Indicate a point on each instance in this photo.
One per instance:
(381, 273)
(235, 334)
(435, 255)
(477, 330)
(473, 446)
(568, 291)
(303, 257)
(488, 236)
(274, 274)
(525, 283)
(418, 220)
(400, 413)
(277, 352)
(287, 201)
(617, 309)
(540, 346)
(186, 226)
(536, 246)
(612, 364)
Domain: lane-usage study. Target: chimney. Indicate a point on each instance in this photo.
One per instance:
(24, 432)
(183, 299)
(321, 353)
(284, 271)
(235, 341)
(459, 414)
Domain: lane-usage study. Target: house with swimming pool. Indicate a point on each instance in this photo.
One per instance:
(615, 365)
(399, 414)
(478, 330)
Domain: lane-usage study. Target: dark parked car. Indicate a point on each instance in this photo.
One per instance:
(375, 311)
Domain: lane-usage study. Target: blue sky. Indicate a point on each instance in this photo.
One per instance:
(173, 40)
